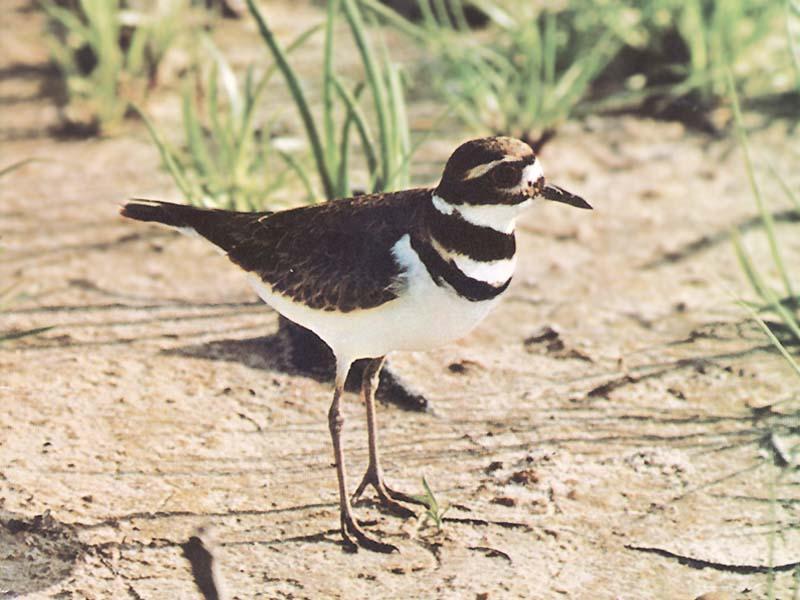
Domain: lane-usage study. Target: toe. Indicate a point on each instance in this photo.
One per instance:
(353, 535)
(403, 497)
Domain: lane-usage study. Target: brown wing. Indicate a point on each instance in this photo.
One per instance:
(330, 256)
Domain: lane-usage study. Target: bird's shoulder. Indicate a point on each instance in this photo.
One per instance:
(368, 214)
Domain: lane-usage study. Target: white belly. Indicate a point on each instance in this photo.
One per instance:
(424, 315)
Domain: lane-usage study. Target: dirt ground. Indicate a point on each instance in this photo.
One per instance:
(599, 435)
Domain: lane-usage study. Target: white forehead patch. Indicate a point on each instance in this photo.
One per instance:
(530, 174)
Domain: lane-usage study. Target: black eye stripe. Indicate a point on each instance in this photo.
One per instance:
(506, 174)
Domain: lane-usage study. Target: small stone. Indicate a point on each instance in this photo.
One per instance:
(676, 393)
(495, 465)
(464, 365)
(504, 501)
(544, 334)
(525, 477)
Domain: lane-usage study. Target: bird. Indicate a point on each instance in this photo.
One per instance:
(407, 270)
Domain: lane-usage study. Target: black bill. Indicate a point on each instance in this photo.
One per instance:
(557, 194)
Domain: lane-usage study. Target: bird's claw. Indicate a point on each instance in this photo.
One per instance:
(389, 498)
(355, 538)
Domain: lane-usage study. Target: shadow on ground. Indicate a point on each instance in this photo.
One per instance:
(35, 552)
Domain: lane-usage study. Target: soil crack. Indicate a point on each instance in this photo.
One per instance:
(699, 563)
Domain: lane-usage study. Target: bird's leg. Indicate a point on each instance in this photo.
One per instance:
(374, 475)
(351, 531)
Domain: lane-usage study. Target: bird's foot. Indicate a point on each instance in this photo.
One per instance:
(355, 538)
(389, 498)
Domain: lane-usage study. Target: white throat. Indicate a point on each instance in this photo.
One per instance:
(500, 217)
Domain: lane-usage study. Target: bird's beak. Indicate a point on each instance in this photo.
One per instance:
(557, 194)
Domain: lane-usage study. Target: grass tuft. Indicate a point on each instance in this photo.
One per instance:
(526, 75)
(677, 54)
(228, 160)
(383, 139)
(434, 511)
(109, 55)
(785, 306)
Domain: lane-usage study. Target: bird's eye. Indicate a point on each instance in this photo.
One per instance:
(505, 176)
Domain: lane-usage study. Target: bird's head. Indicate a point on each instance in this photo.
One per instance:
(500, 171)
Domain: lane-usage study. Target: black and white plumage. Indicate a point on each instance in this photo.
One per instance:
(407, 270)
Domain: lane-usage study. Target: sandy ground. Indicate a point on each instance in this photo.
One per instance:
(601, 435)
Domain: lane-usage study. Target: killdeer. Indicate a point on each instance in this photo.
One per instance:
(406, 270)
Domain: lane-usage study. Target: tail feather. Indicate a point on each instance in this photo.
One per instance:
(156, 211)
(224, 228)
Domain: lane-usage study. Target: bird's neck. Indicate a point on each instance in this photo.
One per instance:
(480, 233)
(499, 217)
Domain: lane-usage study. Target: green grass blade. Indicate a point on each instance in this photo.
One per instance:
(301, 172)
(395, 110)
(773, 338)
(442, 14)
(793, 197)
(376, 85)
(135, 56)
(459, 15)
(6, 337)
(772, 301)
(328, 87)
(498, 14)
(549, 48)
(294, 45)
(747, 266)
(429, 499)
(66, 18)
(396, 20)
(398, 173)
(297, 95)
(360, 121)
(428, 16)
(219, 133)
(16, 165)
(226, 77)
(343, 176)
(245, 132)
(793, 35)
(167, 156)
(766, 216)
(195, 139)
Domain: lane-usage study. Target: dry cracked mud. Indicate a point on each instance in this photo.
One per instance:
(603, 434)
